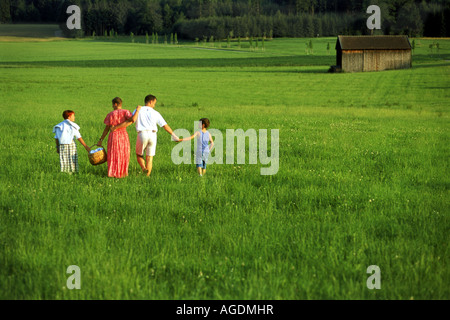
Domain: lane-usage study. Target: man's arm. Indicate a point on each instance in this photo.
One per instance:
(57, 145)
(170, 131)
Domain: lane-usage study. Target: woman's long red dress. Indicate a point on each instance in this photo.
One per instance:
(118, 144)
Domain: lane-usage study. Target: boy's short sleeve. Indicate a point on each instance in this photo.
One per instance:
(76, 134)
(57, 132)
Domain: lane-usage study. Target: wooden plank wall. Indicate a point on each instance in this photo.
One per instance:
(375, 60)
(352, 60)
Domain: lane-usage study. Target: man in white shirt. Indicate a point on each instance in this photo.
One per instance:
(147, 126)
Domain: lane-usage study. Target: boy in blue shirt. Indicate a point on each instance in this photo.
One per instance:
(65, 132)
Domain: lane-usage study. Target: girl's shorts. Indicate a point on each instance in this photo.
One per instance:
(201, 165)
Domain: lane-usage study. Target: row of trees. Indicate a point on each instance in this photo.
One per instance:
(279, 25)
(219, 18)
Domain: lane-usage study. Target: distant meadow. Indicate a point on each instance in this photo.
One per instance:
(363, 174)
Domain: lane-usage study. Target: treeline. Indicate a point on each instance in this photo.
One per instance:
(279, 25)
(198, 19)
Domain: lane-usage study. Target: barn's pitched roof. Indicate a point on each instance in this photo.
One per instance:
(373, 43)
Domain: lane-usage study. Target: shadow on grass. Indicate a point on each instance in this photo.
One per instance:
(430, 58)
(281, 61)
(430, 65)
(324, 69)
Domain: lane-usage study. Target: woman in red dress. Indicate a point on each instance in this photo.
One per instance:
(118, 142)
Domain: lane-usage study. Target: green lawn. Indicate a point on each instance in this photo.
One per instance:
(363, 175)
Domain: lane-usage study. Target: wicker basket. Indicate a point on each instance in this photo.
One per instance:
(98, 157)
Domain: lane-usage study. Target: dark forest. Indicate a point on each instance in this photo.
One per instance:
(200, 19)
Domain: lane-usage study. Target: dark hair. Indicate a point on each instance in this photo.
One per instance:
(205, 121)
(149, 98)
(117, 100)
(67, 113)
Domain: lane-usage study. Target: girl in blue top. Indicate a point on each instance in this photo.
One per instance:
(203, 146)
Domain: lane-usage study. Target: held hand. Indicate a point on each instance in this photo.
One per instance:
(175, 137)
(99, 143)
(112, 128)
(87, 149)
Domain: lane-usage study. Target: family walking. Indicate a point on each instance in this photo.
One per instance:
(146, 119)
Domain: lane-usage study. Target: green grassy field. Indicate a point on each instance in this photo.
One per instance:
(363, 176)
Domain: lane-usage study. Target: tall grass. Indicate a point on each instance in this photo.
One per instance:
(363, 176)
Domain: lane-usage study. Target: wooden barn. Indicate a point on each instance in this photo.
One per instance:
(372, 53)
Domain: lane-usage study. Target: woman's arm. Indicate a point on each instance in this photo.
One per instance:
(105, 132)
(135, 115)
(129, 121)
